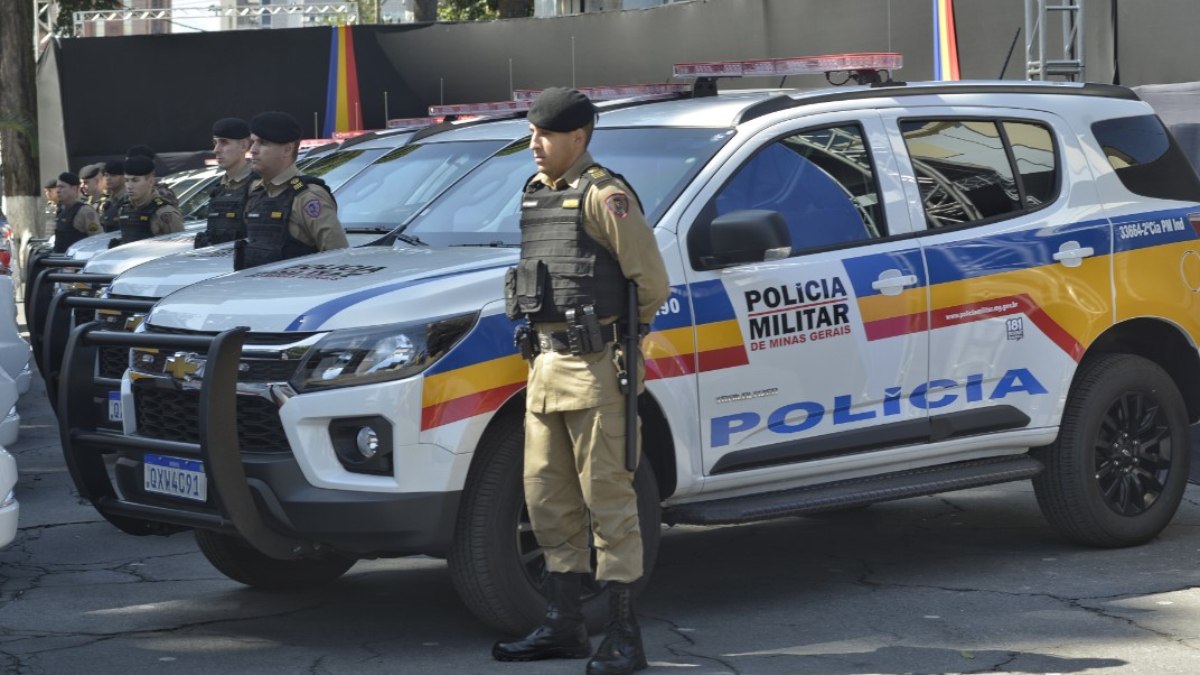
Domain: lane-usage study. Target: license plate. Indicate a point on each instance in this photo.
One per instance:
(114, 406)
(176, 477)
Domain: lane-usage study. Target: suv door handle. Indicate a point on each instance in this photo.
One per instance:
(892, 282)
(1071, 254)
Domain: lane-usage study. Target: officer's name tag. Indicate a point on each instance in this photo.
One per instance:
(570, 203)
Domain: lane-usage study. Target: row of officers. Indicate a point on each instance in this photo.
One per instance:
(262, 201)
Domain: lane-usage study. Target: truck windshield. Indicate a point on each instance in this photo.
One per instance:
(389, 191)
(484, 209)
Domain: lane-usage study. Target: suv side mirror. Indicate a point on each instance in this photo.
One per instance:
(751, 235)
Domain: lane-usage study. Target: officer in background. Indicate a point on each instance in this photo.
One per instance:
(144, 213)
(160, 188)
(287, 214)
(75, 219)
(227, 200)
(114, 194)
(90, 176)
(50, 207)
(583, 235)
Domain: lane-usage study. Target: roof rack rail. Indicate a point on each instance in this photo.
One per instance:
(861, 68)
(785, 101)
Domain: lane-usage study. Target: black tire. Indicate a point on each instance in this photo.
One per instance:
(1118, 470)
(237, 560)
(500, 576)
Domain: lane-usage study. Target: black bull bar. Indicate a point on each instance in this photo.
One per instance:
(56, 328)
(85, 444)
(39, 293)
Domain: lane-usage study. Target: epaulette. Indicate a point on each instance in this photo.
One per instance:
(600, 177)
(160, 202)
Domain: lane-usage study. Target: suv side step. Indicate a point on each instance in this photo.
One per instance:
(854, 492)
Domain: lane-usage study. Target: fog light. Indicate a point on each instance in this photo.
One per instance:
(368, 442)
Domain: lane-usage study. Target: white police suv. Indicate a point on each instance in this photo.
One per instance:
(877, 292)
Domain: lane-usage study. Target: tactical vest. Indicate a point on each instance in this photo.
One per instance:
(65, 233)
(561, 267)
(226, 210)
(110, 208)
(267, 217)
(134, 223)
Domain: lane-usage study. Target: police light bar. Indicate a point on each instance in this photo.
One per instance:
(412, 122)
(343, 135)
(614, 92)
(799, 65)
(493, 108)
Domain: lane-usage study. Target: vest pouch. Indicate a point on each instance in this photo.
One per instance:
(511, 310)
(532, 282)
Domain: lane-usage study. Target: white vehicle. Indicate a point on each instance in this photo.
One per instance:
(14, 351)
(877, 292)
(10, 509)
(61, 275)
(370, 205)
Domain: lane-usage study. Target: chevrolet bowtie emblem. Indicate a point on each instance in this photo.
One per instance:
(184, 366)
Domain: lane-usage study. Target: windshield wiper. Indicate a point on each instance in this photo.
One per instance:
(409, 239)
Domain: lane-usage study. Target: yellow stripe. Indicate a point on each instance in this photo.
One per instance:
(665, 343)
(473, 379)
(875, 307)
(718, 335)
(1158, 281)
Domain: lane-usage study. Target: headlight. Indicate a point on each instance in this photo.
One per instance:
(357, 356)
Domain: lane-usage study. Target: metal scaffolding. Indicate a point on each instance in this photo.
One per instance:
(342, 12)
(1039, 16)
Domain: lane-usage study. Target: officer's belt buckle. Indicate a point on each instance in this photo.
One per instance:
(554, 342)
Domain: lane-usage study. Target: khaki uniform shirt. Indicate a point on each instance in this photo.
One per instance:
(166, 219)
(238, 179)
(314, 220)
(614, 219)
(87, 220)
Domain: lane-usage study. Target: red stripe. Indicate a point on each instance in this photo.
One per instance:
(952, 40)
(975, 311)
(896, 325)
(726, 357)
(670, 366)
(467, 406)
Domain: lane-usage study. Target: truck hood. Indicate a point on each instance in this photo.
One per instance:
(350, 288)
(104, 260)
(160, 275)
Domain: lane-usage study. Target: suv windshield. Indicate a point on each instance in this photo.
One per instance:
(389, 191)
(339, 167)
(485, 207)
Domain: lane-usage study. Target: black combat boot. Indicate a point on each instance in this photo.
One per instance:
(562, 634)
(621, 652)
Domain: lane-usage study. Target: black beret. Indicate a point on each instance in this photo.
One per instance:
(140, 151)
(50, 184)
(91, 171)
(69, 178)
(561, 109)
(231, 127)
(115, 167)
(139, 165)
(276, 127)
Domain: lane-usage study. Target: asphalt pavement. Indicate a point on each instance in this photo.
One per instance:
(965, 582)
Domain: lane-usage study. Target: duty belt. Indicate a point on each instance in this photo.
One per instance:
(559, 341)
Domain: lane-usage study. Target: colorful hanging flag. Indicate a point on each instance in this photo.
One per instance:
(343, 109)
(945, 41)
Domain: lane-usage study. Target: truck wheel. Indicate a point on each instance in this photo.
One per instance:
(495, 562)
(237, 560)
(1118, 470)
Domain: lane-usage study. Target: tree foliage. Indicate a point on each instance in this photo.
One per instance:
(67, 8)
(483, 10)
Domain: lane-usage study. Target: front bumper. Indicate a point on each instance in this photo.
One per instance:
(281, 502)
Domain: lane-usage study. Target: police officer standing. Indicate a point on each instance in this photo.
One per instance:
(583, 238)
(227, 200)
(114, 194)
(287, 214)
(75, 219)
(90, 177)
(144, 214)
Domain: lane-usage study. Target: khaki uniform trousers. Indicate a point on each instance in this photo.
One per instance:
(575, 481)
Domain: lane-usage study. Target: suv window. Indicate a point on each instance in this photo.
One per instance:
(821, 181)
(1146, 158)
(965, 168)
